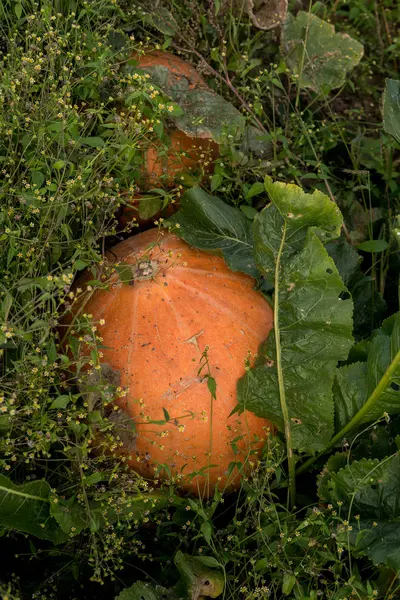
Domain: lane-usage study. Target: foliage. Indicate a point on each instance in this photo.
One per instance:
(312, 318)
(196, 581)
(207, 223)
(367, 492)
(76, 118)
(319, 57)
(391, 108)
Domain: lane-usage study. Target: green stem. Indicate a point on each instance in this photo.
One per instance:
(356, 420)
(281, 385)
(22, 494)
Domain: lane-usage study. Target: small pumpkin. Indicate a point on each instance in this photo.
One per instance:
(161, 169)
(182, 309)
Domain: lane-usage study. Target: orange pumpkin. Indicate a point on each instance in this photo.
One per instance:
(178, 68)
(157, 329)
(163, 169)
(185, 155)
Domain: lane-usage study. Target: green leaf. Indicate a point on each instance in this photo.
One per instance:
(93, 142)
(206, 222)
(26, 508)
(364, 391)
(18, 10)
(37, 178)
(149, 206)
(59, 164)
(288, 583)
(60, 402)
(391, 108)
(316, 54)
(207, 530)
(373, 246)
(257, 188)
(312, 314)
(71, 516)
(212, 386)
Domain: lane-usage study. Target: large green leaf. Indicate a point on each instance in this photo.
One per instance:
(319, 57)
(26, 508)
(369, 489)
(391, 108)
(364, 391)
(312, 314)
(209, 224)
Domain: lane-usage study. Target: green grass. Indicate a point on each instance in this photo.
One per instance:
(75, 120)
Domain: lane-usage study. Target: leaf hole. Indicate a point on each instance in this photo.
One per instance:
(344, 296)
(395, 386)
(329, 271)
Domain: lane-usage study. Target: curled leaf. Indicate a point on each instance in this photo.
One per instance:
(264, 14)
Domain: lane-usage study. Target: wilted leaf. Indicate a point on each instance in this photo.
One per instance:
(209, 224)
(391, 108)
(313, 315)
(319, 56)
(264, 14)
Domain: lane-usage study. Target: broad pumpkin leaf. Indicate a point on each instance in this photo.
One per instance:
(370, 488)
(319, 57)
(206, 222)
(26, 508)
(364, 391)
(391, 108)
(312, 316)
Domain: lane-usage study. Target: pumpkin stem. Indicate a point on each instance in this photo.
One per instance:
(145, 269)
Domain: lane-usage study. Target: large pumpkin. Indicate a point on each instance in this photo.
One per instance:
(182, 308)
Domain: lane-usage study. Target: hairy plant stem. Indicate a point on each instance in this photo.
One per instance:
(372, 400)
(281, 384)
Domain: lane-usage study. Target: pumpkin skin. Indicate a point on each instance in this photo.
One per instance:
(164, 168)
(178, 68)
(154, 335)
